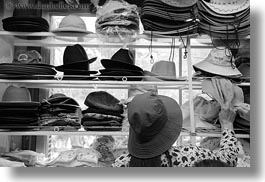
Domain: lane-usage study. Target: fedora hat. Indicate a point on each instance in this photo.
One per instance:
(26, 20)
(180, 3)
(16, 94)
(155, 124)
(163, 70)
(72, 23)
(218, 62)
(122, 59)
(227, 6)
(75, 61)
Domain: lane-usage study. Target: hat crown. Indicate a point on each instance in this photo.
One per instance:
(147, 116)
(74, 54)
(124, 55)
(73, 21)
(180, 3)
(164, 68)
(16, 94)
(221, 56)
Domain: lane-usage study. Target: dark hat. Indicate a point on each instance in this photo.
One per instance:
(120, 74)
(75, 61)
(25, 20)
(155, 124)
(122, 59)
(103, 100)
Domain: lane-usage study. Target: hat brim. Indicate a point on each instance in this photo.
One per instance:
(162, 141)
(71, 29)
(209, 67)
(114, 64)
(228, 8)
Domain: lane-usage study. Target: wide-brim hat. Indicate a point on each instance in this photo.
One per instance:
(122, 59)
(162, 108)
(218, 62)
(72, 23)
(227, 6)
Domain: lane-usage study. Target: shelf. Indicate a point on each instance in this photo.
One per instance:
(102, 84)
(112, 133)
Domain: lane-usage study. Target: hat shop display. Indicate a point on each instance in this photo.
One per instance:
(76, 62)
(27, 64)
(119, 66)
(224, 18)
(61, 112)
(17, 110)
(117, 19)
(169, 17)
(104, 113)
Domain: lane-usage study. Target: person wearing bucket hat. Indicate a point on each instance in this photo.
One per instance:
(155, 124)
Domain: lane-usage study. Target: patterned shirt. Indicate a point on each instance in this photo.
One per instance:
(186, 156)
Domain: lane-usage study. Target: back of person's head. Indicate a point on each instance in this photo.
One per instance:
(155, 124)
(210, 163)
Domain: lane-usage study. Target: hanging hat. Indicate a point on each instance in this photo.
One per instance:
(164, 70)
(155, 124)
(228, 6)
(218, 62)
(123, 59)
(180, 3)
(72, 23)
(75, 61)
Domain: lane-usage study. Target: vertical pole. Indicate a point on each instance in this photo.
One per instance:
(192, 122)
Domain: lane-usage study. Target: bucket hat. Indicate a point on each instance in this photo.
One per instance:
(123, 59)
(218, 62)
(227, 6)
(72, 23)
(75, 61)
(155, 124)
(164, 70)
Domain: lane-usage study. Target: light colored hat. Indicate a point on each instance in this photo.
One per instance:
(227, 6)
(180, 3)
(218, 62)
(6, 51)
(72, 23)
(16, 94)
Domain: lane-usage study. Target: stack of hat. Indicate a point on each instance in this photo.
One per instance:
(25, 20)
(17, 111)
(104, 113)
(120, 66)
(118, 19)
(219, 62)
(76, 63)
(169, 17)
(27, 64)
(225, 18)
(60, 111)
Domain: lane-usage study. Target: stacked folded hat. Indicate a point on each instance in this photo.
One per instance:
(25, 20)
(76, 63)
(121, 66)
(17, 111)
(224, 18)
(169, 17)
(117, 19)
(219, 62)
(104, 113)
(60, 112)
(27, 64)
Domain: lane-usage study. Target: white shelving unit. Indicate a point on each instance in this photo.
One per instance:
(55, 40)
